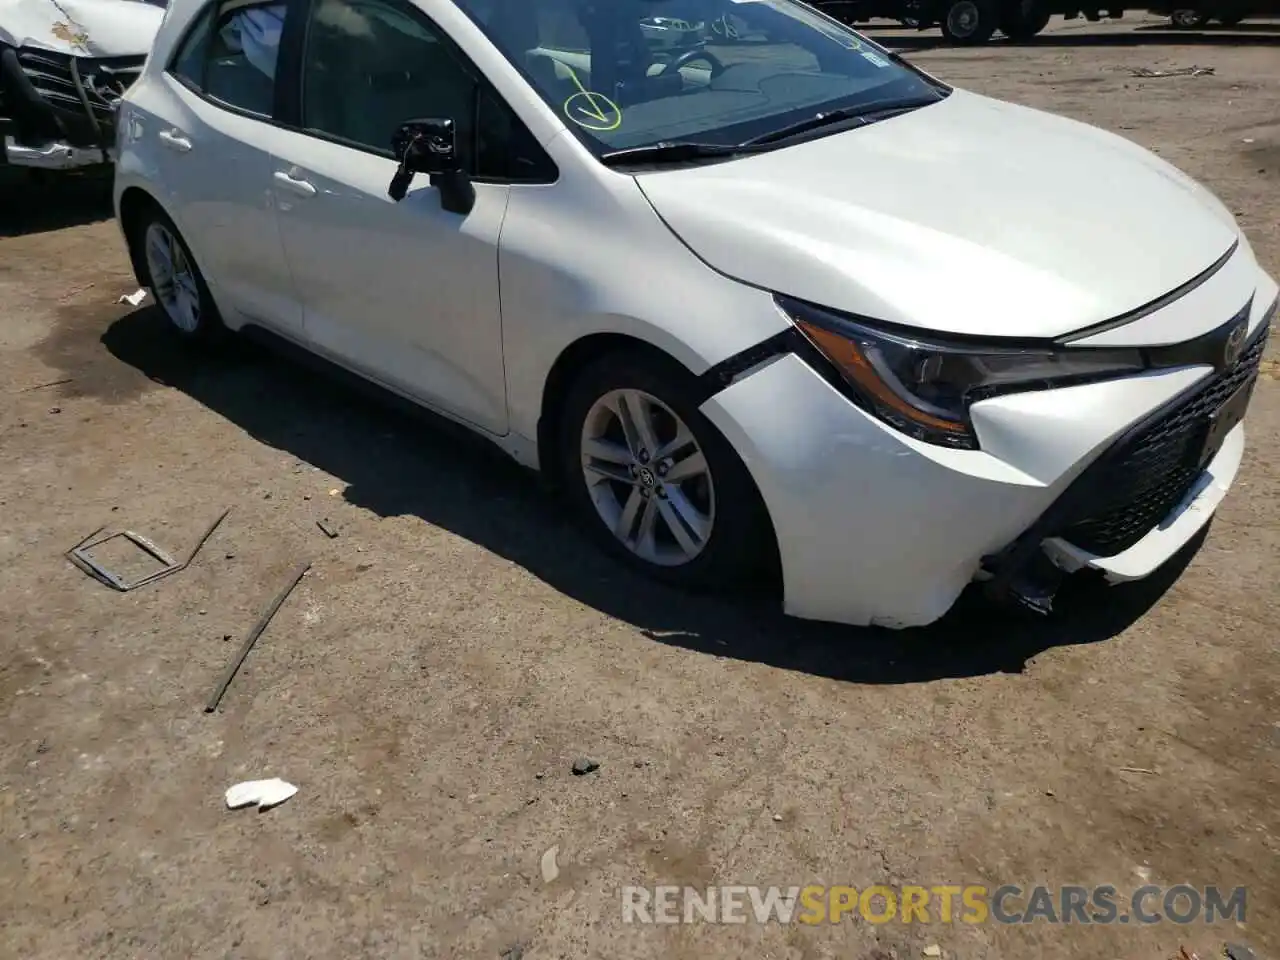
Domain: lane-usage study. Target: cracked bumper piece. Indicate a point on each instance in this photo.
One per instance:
(875, 528)
(1172, 534)
(53, 156)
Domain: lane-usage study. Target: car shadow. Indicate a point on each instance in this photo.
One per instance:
(37, 201)
(397, 461)
(1153, 35)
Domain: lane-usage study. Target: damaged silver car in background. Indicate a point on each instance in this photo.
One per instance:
(64, 64)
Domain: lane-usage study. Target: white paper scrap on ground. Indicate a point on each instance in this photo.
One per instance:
(265, 793)
(134, 299)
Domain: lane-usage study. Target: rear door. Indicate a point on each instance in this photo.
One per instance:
(211, 139)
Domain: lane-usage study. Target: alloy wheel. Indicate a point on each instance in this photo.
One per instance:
(173, 278)
(648, 477)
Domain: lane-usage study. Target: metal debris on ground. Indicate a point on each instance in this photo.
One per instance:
(50, 383)
(264, 793)
(1138, 770)
(327, 530)
(1148, 74)
(79, 555)
(256, 632)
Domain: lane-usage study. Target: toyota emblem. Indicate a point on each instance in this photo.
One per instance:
(1235, 344)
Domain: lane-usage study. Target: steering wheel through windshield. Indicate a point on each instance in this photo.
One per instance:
(693, 56)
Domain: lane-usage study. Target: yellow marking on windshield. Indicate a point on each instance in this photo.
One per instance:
(591, 110)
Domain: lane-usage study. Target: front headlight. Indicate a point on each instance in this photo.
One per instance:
(925, 387)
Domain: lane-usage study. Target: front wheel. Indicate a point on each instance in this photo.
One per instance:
(653, 481)
(969, 22)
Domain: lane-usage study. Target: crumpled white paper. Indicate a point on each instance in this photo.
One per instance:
(134, 299)
(265, 793)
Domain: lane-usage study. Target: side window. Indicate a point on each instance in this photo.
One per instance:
(370, 65)
(188, 64)
(230, 54)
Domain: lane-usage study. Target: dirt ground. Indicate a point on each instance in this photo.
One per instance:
(458, 646)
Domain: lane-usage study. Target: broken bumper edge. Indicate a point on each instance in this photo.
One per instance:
(54, 155)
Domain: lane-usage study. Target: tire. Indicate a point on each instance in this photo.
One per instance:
(1023, 19)
(1188, 19)
(730, 529)
(1230, 16)
(969, 22)
(180, 290)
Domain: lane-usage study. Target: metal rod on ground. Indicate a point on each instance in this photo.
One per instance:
(256, 632)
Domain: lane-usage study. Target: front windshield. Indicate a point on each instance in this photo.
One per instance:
(633, 73)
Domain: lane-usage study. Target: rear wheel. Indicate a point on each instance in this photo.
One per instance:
(173, 277)
(969, 22)
(651, 478)
(1023, 19)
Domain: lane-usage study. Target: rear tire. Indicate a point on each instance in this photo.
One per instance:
(685, 512)
(1023, 19)
(175, 281)
(969, 22)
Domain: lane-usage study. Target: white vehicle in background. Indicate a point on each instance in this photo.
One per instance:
(64, 65)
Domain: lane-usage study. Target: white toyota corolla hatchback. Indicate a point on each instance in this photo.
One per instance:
(766, 295)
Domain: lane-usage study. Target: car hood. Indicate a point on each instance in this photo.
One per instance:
(84, 28)
(968, 216)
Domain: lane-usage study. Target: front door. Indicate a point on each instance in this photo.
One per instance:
(212, 134)
(406, 293)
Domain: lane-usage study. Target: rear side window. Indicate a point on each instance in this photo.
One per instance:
(230, 54)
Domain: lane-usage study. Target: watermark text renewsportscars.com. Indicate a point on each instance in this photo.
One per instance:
(941, 903)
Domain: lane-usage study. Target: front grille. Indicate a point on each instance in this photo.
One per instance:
(1140, 481)
(103, 79)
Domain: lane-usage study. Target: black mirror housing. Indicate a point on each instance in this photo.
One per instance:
(431, 146)
(427, 146)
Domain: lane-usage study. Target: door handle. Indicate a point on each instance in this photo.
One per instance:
(174, 140)
(302, 188)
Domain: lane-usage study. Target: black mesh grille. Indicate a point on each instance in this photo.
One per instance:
(1139, 482)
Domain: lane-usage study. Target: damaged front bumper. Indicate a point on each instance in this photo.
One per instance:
(57, 110)
(1144, 498)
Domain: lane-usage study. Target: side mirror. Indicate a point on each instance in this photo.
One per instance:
(431, 147)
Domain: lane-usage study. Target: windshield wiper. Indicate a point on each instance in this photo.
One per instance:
(867, 113)
(678, 151)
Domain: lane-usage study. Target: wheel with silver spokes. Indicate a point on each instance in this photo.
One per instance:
(173, 277)
(653, 480)
(649, 479)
